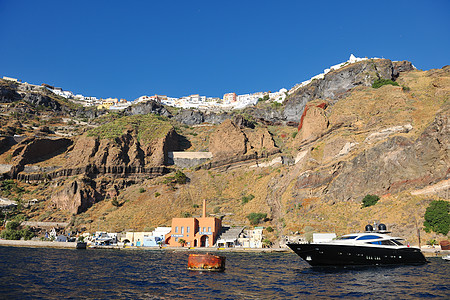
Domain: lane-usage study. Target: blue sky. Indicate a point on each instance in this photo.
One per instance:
(126, 49)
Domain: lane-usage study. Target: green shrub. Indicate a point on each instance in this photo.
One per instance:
(12, 225)
(294, 134)
(370, 200)
(26, 233)
(246, 199)
(186, 214)
(12, 232)
(437, 217)
(255, 218)
(179, 177)
(380, 82)
(269, 229)
(141, 190)
(157, 194)
(276, 105)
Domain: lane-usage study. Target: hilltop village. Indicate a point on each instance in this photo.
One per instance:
(229, 101)
(247, 171)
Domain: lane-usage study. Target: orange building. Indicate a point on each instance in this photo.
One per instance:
(196, 232)
(230, 97)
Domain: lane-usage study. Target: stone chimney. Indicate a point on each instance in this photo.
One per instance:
(204, 209)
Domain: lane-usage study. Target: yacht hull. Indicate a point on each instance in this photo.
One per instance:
(344, 255)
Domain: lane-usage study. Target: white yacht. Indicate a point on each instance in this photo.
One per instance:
(373, 247)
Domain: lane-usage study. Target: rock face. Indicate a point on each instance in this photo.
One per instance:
(8, 92)
(148, 107)
(388, 167)
(125, 151)
(230, 139)
(33, 149)
(313, 123)
(38, 99)
(336, 83)
(74, 196)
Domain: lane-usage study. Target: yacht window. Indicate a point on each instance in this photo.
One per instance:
(369, 237)
(398, 242)
(351, 237)
(388, 243)
(374, 243)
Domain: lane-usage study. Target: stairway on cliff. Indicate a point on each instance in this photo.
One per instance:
(229, 234)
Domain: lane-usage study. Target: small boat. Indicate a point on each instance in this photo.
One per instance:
(81, 245)
(447, 257)
(206, 262)
(373, 247)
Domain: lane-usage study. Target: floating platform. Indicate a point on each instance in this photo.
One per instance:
(206, 262)
(81, 245)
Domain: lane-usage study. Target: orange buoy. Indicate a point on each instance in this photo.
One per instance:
(445, 245)
(206, 262)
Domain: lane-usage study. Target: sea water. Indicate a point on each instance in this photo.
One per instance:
(38, 273)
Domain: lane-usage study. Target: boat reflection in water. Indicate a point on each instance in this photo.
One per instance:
(373, 247)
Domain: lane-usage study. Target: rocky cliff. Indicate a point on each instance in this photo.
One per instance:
(230, 140)
(336, 83)
(74, 196)
(348, 140)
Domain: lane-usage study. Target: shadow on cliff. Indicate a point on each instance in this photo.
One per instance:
(182, 143)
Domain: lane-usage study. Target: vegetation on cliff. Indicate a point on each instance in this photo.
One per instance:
(437, 217)
(388, 141)
(148, 127)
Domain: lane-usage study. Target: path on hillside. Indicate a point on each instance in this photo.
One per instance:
(278, 185)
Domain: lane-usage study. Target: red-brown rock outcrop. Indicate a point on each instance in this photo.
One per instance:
(229, 139)
(74, 196)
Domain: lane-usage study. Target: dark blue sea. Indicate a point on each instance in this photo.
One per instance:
(38, 273)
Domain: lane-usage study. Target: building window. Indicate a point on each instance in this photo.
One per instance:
(176, 229)
(209, 229)
(176, 239)
(188, 229)
(182, 229)
(204, 229)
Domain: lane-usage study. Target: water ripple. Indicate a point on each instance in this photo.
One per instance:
(28, 273)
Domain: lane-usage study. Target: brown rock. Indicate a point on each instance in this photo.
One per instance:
(259, 139)
(314, 125)
(228, 139)
(75, 196)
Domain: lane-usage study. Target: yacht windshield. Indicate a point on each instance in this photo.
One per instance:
(398, 242)
(369, 237)
(388, 243)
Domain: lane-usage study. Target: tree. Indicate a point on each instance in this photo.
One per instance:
(180, 177)
(437, 217)
(370, 200)
(255, 218)
(182, 242)
(12, 232)
(266, 243)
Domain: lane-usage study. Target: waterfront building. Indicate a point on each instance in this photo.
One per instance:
(146, 238)
(252, 238)
(196, 232)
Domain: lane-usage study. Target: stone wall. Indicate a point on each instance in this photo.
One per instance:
(188, 159)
